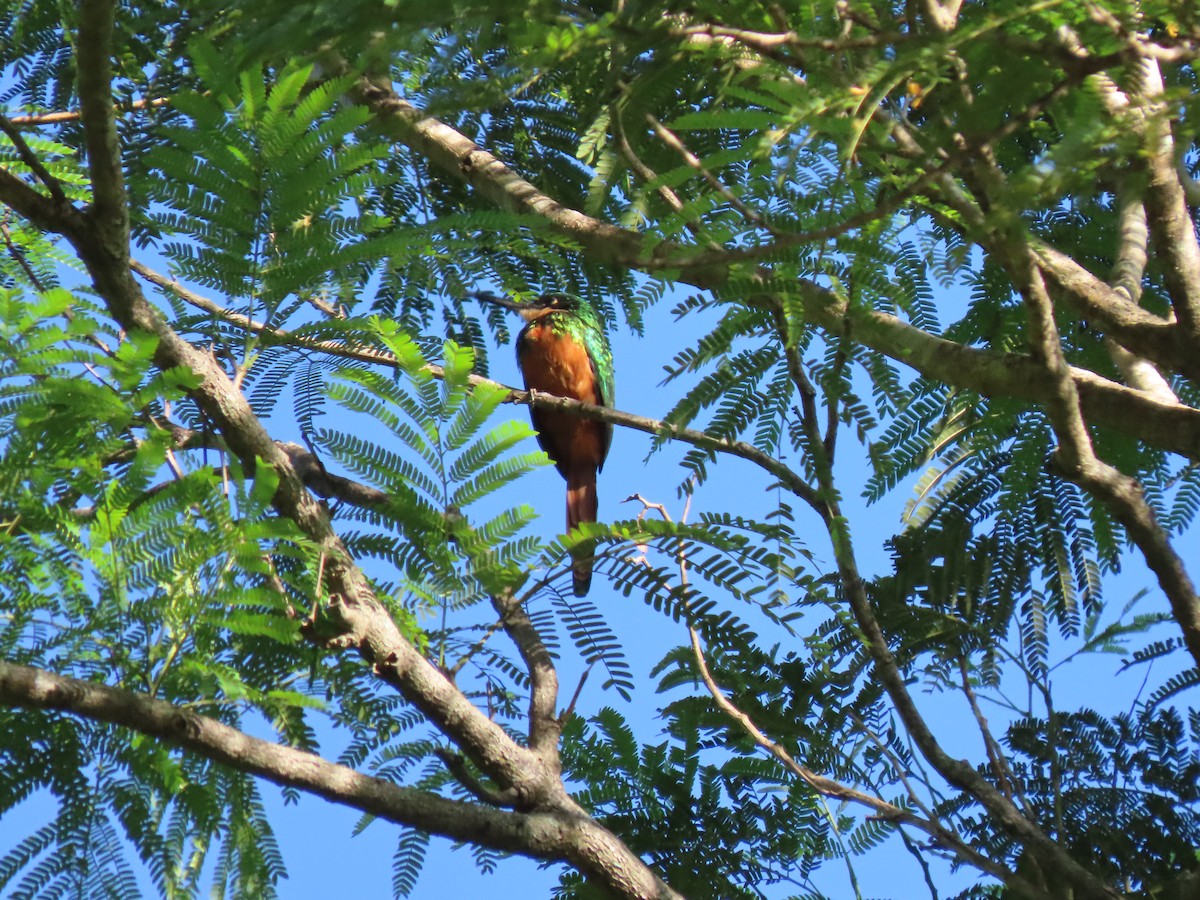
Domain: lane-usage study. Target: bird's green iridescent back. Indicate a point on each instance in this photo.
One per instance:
(582, 324)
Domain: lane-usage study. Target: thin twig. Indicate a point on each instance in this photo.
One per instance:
(452, 671)
(897, 766)
(1005, 777)
(33, 120)
(31, 160)
(673, 141)
(18, 255)
(830, 788)
(566, 714)
(967, 151)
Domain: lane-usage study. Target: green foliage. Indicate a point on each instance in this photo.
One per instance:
(410, 854)
(1141, 770)
(136, 551)
(454, 464)
(257, 181)
(702, 824)
(111, 577)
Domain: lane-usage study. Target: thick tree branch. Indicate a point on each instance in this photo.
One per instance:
(1142, 109)
(1137, 329)
(94, 49)
(37, 208)
(1133, 239)
(1170, 219)
(769, 44)
(556, 834)
(1077, 459)
(1140, 373)
(102, 244)
(456, 154)
(544, 725)
(995, 374)
(941, 17)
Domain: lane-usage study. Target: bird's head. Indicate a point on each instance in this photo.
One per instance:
(532, 309)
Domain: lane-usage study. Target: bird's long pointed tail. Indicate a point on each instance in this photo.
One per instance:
(582, 506)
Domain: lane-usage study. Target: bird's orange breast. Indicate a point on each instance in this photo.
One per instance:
(557, 364)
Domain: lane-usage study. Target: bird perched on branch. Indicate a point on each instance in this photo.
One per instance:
(563, 350)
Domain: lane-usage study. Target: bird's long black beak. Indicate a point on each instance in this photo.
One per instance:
(484, 297)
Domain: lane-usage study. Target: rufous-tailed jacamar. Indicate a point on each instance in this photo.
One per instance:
(563, 350)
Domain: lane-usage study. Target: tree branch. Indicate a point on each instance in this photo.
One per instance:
(556, 834)
(31, 160)
(33, 120)
(1133, 238)
(829, 788)
(768, 44)
(1077, 460)
(1142, 109)
(941, 17)
(364, 621)
(957, 772)
(825, 786)
(1171, 220)
(545, 728)
(1005, 776)
(94, 50)
(37, 208)
(694, 162)
(325, 484)
(1137, 329)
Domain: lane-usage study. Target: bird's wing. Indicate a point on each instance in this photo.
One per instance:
(598, 349)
